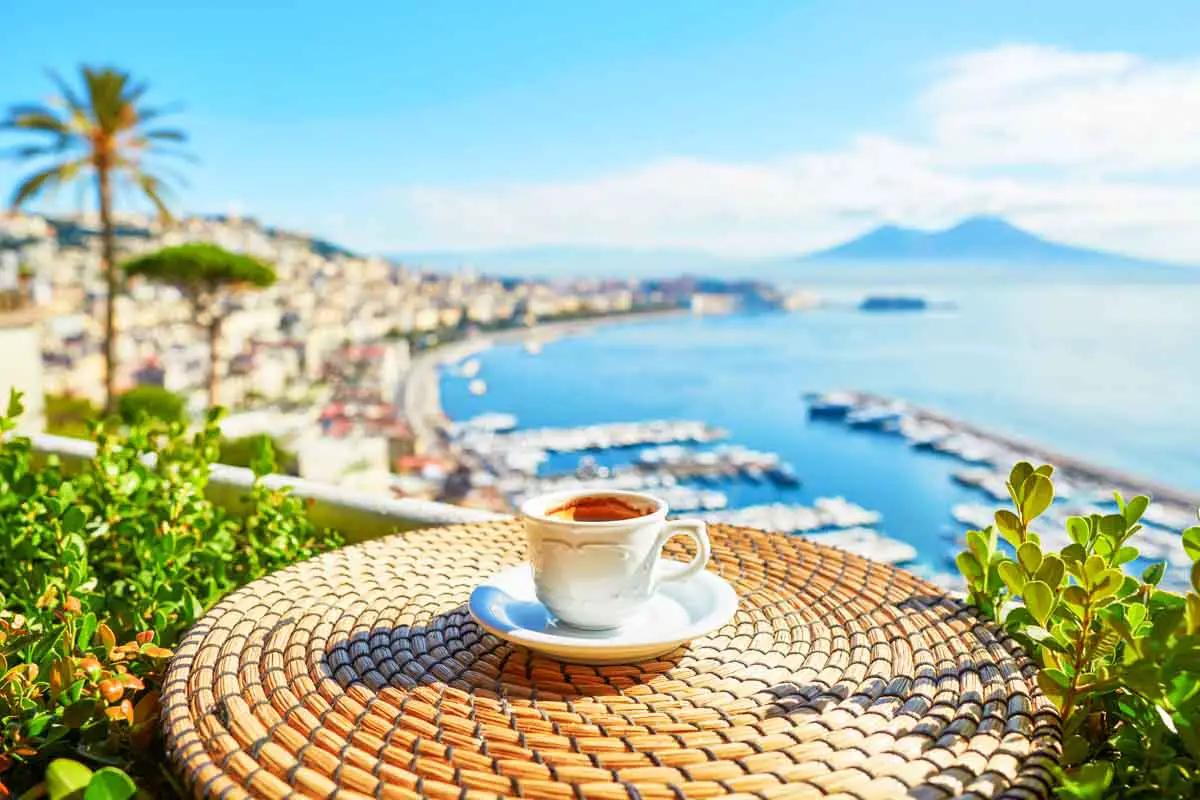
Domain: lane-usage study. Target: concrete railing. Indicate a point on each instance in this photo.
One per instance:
(358, 515)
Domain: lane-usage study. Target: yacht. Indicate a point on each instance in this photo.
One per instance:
(833, 405)
(875, 416)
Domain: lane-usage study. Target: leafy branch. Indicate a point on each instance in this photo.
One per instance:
(1119, 657)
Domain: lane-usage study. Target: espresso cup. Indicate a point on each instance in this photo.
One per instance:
(595, 554)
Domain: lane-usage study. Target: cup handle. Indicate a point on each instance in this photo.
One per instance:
(699, 532)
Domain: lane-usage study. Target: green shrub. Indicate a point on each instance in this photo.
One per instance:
(100, 573)
(152, 402)
(70, 416)
(242, 452)
(1119, 657)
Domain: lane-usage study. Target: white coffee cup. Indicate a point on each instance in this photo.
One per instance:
(596, 572)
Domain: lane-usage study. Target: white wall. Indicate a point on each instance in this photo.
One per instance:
(21, 368)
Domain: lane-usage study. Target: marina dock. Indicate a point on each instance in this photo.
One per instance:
(975, 444)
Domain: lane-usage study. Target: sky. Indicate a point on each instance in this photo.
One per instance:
(745, 129)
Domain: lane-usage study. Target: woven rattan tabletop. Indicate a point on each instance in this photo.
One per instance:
(360, 674)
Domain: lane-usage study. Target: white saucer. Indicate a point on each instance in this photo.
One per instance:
(505, 605)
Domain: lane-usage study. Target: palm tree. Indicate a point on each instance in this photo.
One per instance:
(103, 134)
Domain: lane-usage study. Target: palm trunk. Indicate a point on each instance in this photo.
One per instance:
(214, 338)
(109, 266)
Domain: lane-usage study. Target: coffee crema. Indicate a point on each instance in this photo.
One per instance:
(596, 509)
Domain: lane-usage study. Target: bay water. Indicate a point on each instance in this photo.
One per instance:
(1107, 370)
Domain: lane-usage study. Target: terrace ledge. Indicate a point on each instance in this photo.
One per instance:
(358, 515)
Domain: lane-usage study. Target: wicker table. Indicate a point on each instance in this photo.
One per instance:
(360, 674)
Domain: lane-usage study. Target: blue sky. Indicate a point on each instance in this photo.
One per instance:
(748, 127)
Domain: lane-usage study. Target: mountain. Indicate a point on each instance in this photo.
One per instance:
(989, 241)
(975, 239)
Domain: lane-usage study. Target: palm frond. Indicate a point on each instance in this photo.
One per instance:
(131, 94)
(182, 155)
(147, 114)
(106, 89)
(36, 118)
(167, 174)
(31, 151)
(154, 189)
(74, 104)
(166, 135)
(49, 178)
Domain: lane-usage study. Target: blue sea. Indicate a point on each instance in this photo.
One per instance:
(1108, 370)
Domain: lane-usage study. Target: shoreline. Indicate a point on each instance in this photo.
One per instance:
(420, 396)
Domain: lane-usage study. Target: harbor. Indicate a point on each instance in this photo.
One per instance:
(977, 446)
(985, 457)
(678, 460)
(705, 466)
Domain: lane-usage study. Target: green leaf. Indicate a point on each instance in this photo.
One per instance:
(1129, 586)
(978, 544)
(1039, 600)
(1009, 525)
(66, 779)
(1051, 571)
(1107, 583)
(1053, 683)
(1018, 618)
(1126, 554)
(1154, 573)
(1134, 509)
(1037, 495)
(1093, 567)
(1090, 781)
(1020, 471)
(73, 520)
(1030, 557)
(1045, 469)
(110, 783)
(1073, 553)
(1078, 530)
(1196, 576)
(1112, 525)
(1076, 596)
(1191, 543)
(969, 566)
(1044, 638)
(1012, 576)
(1075, 749)
(1192, 612)
(1142, 677)
(87, 627)
(1135, 613)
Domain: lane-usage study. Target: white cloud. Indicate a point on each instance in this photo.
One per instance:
(1108, 113)
(1096, 148)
